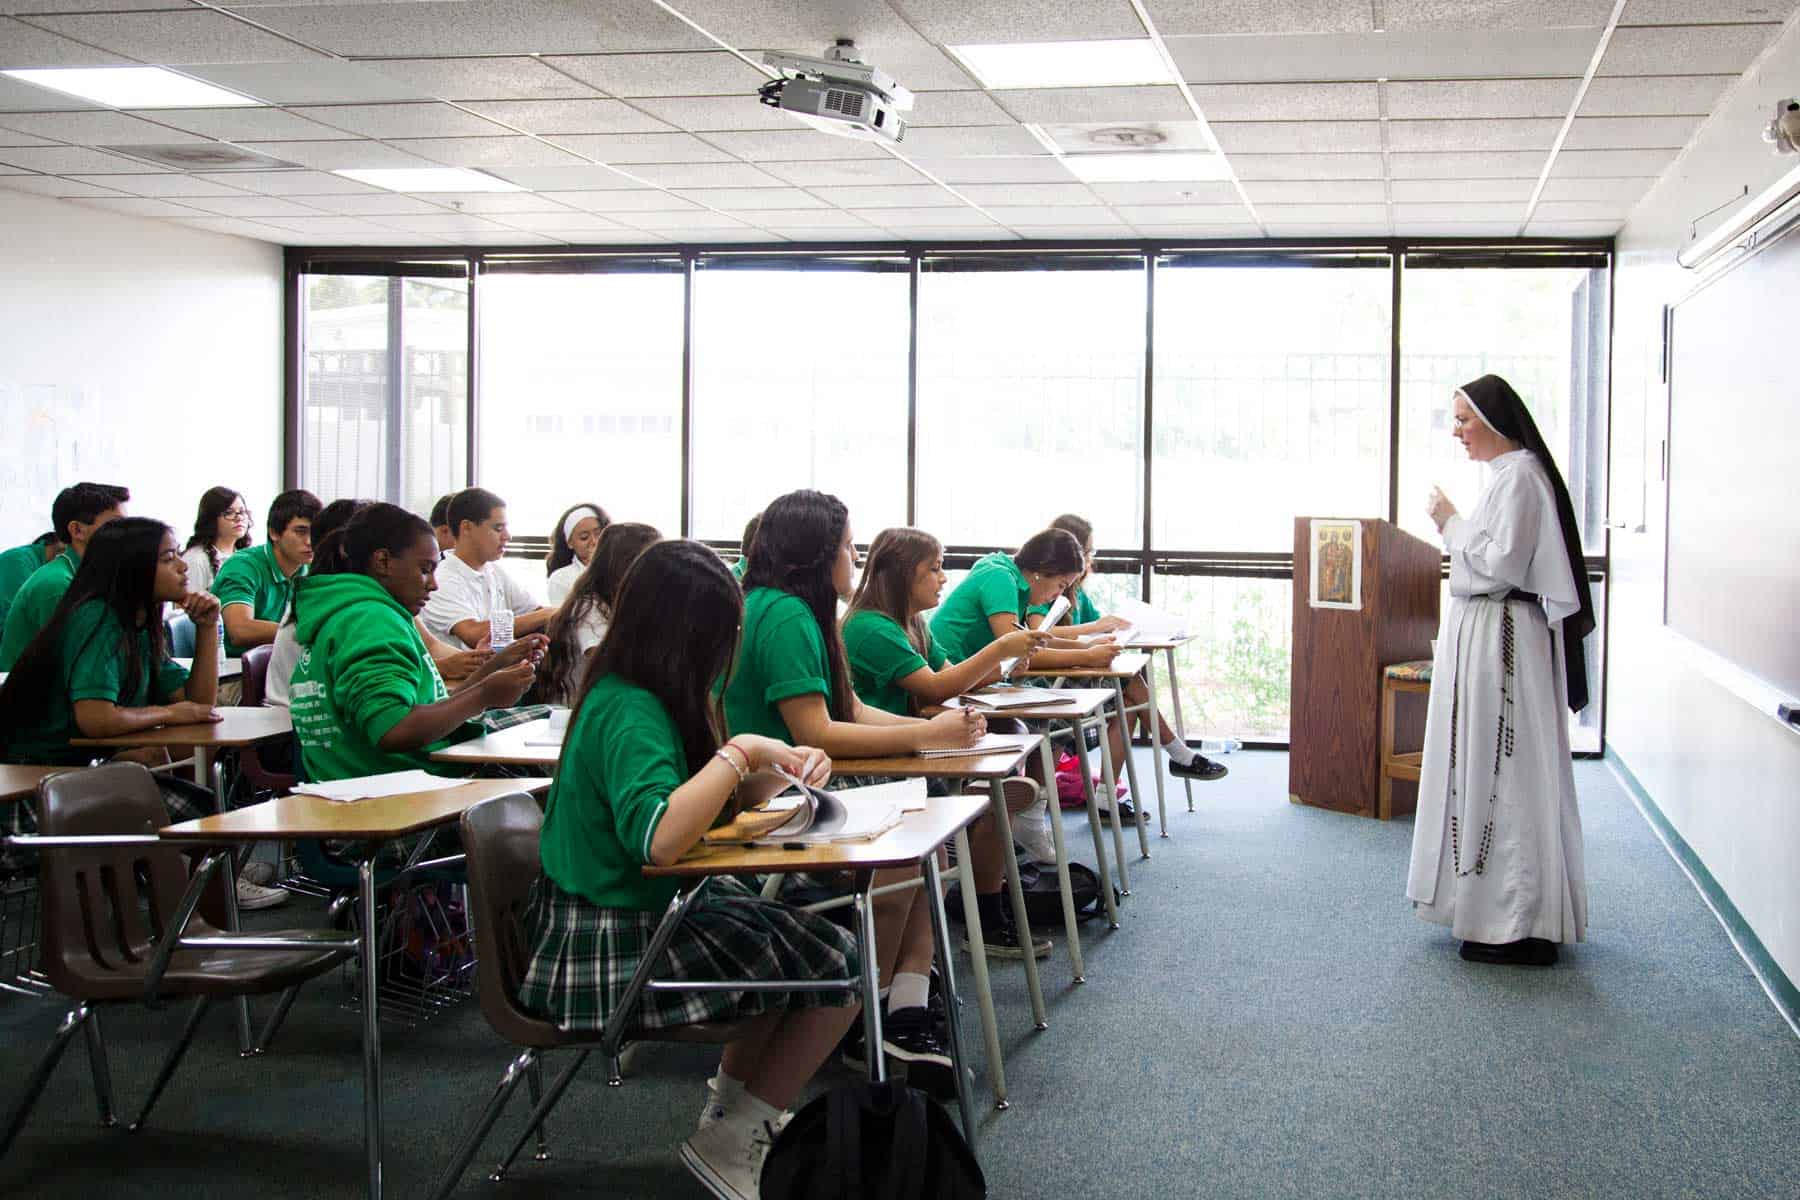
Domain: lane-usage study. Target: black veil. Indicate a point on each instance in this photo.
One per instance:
(1501, 407)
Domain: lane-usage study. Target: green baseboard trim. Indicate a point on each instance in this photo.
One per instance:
(1775, 983)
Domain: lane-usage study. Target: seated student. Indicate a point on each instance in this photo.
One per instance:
(643, 775)
(221, 529)
(440, 523)
(791, 682)
(470, 584)
(255, 586)
(572, 545)
(897, 667)
(743, 563)
(580, 623)
(78, 511)
(365, 694)
(1084, 618)
(21, 563)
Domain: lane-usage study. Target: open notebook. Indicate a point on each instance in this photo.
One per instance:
(1000, 699)
(811, 816)
(991, 743)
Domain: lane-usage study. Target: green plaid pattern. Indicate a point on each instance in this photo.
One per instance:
(496, 719)
(584, 956)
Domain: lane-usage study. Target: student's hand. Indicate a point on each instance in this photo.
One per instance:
(202, 609)
(1021, 642)
(187, 712)
(529, 648)
(503, 686)
(768, 754)
(1099, 655)
(953, 729)
(1109, 623)
(464, 663)
(1440, 508)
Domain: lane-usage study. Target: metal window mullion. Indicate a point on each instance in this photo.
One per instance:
(1394, 267)
(396, 388)
(687, 394)
(1149, 422)
(912, 392)
(471, 381)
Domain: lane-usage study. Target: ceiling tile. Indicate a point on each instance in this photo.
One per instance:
(560, 222)
(1484, 15)
(1491, 211)
(1460, 191)
(178, 38)
(503, 237)
(1180, 17)
(586, 177)
(343, 155)
(1626, 192)
(705, 114)
(624, 148)
(432, 28)
(793, 145)
(23, 45)
(318, 82)
(168, 183)
(1580, 210)
(331, 224)
(970, 141)
(1307, 166)
(1019, 194)
(635, 200)
(104, 128)
(242, 124)
(425, 120)
(1040, 168)
(382, 204)
(957, 233)
(1462, 229)
(919, 65)
(955, 108)
(1020, 217)
(137, 206)
(957, 22)
(1655, 96)
(247, 205)
(1572, 229)
(487, 151)
(508, 203)
(927, 195)
(1699, 49)
(547, 117)
(1702, 12)
(1056, 106)
(807, 218)
(1297, 137)
(802, 25)
(439, 223)
(1514, 164)
(845, 174)
(50, 185)
(1320, 213)
(1458, 136)
(1395, 54)
(1166, 193)
(1326, 228)
(292, 183)
(925, 218)
(1317, 191)
(71, 160)
(244, 229)
(695, 73)
(1631, 133)
(511, 78)
(587, 235)
(1183, 214)
(1289, 101)
(1611, 163)
(697, 218)
(82, 6)
(722, 237)
(1114, 231)
(704, 175)
(832, 233)
(755, 200)
(1478, 98)
(1179, 232)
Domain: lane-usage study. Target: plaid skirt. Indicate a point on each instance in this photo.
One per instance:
(583, 957)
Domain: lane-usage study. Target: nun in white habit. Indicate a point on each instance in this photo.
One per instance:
(1497, 852)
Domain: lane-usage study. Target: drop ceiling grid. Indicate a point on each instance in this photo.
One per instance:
(550, 117)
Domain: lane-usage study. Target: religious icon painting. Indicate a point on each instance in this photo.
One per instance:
(1336, 562)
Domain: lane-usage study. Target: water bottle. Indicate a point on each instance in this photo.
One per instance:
(1216, 746)
(219, 632)
(500, 629)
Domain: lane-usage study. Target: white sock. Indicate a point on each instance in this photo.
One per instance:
(909, 990)
(730, 1092)
(1178, 750)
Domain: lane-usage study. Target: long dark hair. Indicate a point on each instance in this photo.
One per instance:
(673, 632)
(560, 553)
(1052, 552)
(795, 547)
(887, 580)
(119, 570)
(596, 590)
(213, 503)
(368, 527)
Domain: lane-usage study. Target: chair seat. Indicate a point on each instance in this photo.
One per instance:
(214, 972)
(1418, 671)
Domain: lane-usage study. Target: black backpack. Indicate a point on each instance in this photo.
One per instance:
(1043, 898)
(872, 1141)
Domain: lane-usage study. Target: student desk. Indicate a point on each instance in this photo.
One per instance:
(373, 823)
(229, 668)
(240, 727)
(18, 781)
(18, 898)
(1125, 666)
(914, 842)
(507, 748)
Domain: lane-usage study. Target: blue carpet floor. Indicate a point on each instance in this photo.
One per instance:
(1271, 1021)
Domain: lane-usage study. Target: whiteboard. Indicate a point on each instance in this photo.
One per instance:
(55, 435)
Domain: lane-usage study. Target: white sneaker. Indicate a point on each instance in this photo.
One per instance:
(1028, 827)
(727, 1158)
(713, 1109)
(261, 873)
(252, 896)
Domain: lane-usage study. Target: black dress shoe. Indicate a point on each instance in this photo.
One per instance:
(1128, 814)
(1528, 952)
(1202, 768)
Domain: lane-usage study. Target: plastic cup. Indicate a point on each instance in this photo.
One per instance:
(500, 628)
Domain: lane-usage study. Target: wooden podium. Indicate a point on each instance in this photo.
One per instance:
(1390, 615)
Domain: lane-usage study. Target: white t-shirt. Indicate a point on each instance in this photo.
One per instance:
(465, 593)
(562, 581)
(283, 658)
(200, 569)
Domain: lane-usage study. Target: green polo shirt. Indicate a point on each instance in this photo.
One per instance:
(1084, 612)
(253, 577)
(92, 663)
(624, 757)
(881, 655)
(16, 566)
(781, 655)
(993, 585)
(32, 607)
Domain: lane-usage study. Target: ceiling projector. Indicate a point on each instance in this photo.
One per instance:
(838, 93)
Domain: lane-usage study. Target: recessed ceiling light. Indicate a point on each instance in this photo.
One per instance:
(133, 87)
(1167, 167)
(429, 179)
(1121, 63)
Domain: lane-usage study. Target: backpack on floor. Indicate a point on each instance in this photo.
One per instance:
(872, 1141)
(1043, 899)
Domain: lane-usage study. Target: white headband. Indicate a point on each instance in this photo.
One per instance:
(576, 517)
(1476, 409)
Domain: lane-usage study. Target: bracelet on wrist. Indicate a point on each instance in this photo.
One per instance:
(723, 752)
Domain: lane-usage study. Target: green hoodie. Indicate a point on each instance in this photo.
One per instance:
(362, 669)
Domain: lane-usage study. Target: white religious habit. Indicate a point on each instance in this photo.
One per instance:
(1497, 850)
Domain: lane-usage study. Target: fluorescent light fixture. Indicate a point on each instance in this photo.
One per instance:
(133, 87)
(1148, 167)
(429, 179)
(1122, 63)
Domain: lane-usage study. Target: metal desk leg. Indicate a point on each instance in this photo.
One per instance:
(1107, 781)
(1156, 748)
(1071, 928)
(940, 933)
(241, 1004)
(365, 886)
(997, 802)
(990, 1028)
(1137, 794)
(1180, 723)
(864, 908)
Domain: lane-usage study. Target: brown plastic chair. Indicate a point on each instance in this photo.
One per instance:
(500, 840)
(255, 690)
(99, 858)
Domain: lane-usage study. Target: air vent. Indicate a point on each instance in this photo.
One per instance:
(846, 102)
(1124, 137)
(203, 156)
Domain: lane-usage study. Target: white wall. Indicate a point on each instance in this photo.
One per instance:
(137, 352)
(1726, 775)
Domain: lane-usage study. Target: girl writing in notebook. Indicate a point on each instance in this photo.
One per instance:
(580, 623)
(643, 775)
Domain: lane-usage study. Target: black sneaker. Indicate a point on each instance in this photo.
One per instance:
(1202, 768)
(1128, 814)
(910, 1038)
(1003, 941)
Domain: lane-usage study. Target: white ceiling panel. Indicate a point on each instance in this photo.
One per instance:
(1326, 229)
(104, 128)
(969, 141)
(508, 78)
(71, 160)
(1537, 133)
(958, 233)
(341, 226)
(549, 117)
(242, 124)
(51, 185)
(696, 219)
(1466, 99)
(1655, 95)
(1631, 133)
(846, 174)
(502, 203)
(1181, 17)
(1307, 166)
(1320, 214)
(957, 22)
(1457, 229)
(1029, 216)
(292, 183)
(178, 38)
(1698, 49)
(705, 175)
(792, 145)
(23, 45)
(1515, 164)
(445, 224)
(924, 218)
(586, 177)
(560, 222)
(83, 6)
(437, 28)
(927, 195)
(1460, 191)
(166, 184)
(243, 229)
(504, 237)
(707, 114)
(1041, 168)
(627, 201)
(1317, 191)
(1572, 229)
(1058, 106)
(1406, 214)
(1615, 164)
(808, 218)
(322, 81)
(1198, 233)
(1392, 55)
(623, 148)
(137, 206)
(955, 108)
(1047, 195)
(832, 233)
(245, 204)
(1626, 192)
(1580, 210)
(1289, 101)
(591, 235)
(1297, 137)
(755, 200)
(1103, 232)
(1166, 193)
(389, 204)
(1484, 15)
(694, 73)
(345, 155)
(1702, 12)
(1183, 214)
(487, 151)
(426, 120)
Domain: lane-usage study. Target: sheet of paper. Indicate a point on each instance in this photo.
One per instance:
(991, 743)
(1149, 623)
(546, 732)
(1058, 607)
(1004, 698)
(372, 787)
(909, 794)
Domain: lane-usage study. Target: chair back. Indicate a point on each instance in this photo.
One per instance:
(256, 675)
(97, 940)
(500, 840)
(181, 636)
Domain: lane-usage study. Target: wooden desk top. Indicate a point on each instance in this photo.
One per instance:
(241, 727)
(17, 781)
(1079, 702)
(1155, 644)
(918, 834)
(292, 817)
(1127, 664)
(229, 668)
(505, 748)
(917, 766)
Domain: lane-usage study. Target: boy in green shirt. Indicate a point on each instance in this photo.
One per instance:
(255, 586)
(21, 563)
(77, 513)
